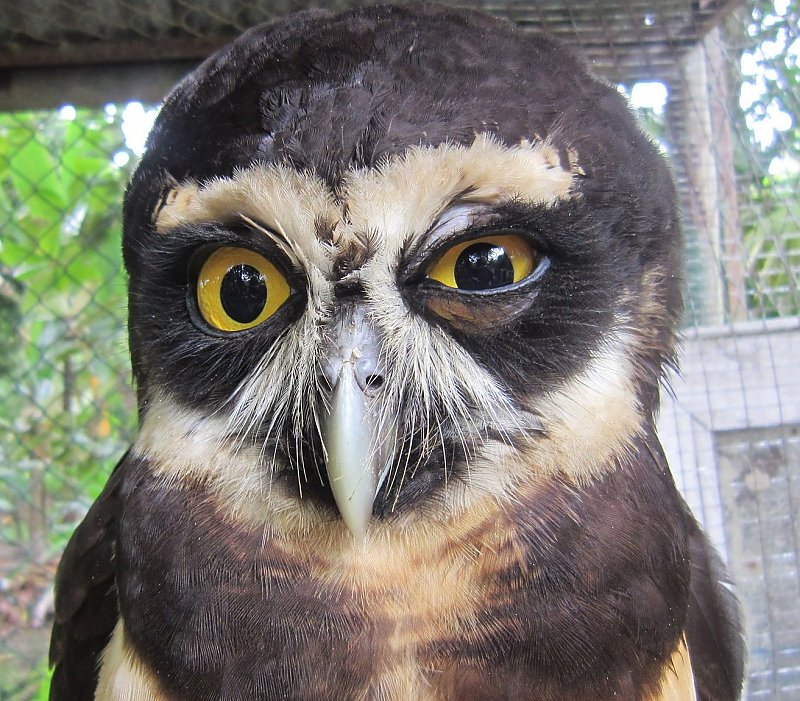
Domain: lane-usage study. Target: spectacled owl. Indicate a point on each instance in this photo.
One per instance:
(403, 285)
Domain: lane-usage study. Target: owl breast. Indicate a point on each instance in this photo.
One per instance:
(496, 603)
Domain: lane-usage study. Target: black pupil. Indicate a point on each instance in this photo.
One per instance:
(483, 266)
(243, 293)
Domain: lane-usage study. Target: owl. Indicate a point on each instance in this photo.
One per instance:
(403, 286)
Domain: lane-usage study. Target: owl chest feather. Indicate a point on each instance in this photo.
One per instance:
(524, 604)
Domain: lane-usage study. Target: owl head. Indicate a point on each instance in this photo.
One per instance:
(386, 263)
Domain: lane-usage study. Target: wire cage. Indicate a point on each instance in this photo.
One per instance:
(717, 85)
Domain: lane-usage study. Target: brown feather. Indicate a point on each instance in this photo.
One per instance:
(713, 627)
(86, 602)
(537, 548)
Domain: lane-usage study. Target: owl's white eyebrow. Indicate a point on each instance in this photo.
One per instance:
(407, 195)
(279, 239)
(456, 217)
(286, 206)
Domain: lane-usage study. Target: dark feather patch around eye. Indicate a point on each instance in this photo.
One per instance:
(541, 331)
(201, 365)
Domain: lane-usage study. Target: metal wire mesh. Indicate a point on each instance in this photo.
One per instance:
(727, 118)
(67, 408)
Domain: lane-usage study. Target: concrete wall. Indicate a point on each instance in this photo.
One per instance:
(742, 376)
(732, 436)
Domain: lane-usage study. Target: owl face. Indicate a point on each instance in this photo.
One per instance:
(384, 285)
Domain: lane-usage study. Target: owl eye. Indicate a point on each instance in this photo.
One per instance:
(237, 289)
(485, 263)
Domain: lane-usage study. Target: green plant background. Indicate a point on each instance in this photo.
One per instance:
(67, 408)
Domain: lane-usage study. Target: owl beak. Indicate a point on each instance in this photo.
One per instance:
(358, 438)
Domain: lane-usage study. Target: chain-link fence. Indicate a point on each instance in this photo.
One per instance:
(716, 83)
(66, 410)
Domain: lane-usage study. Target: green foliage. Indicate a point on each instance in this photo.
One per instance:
(65, 386)
(66, 407)
(769, 207)
(771, 228)
(43, 692)
(771, 86)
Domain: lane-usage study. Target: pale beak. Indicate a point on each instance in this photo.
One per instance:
(358, 440)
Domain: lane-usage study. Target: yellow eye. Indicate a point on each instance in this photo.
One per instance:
(485, 263)
(238, 289)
